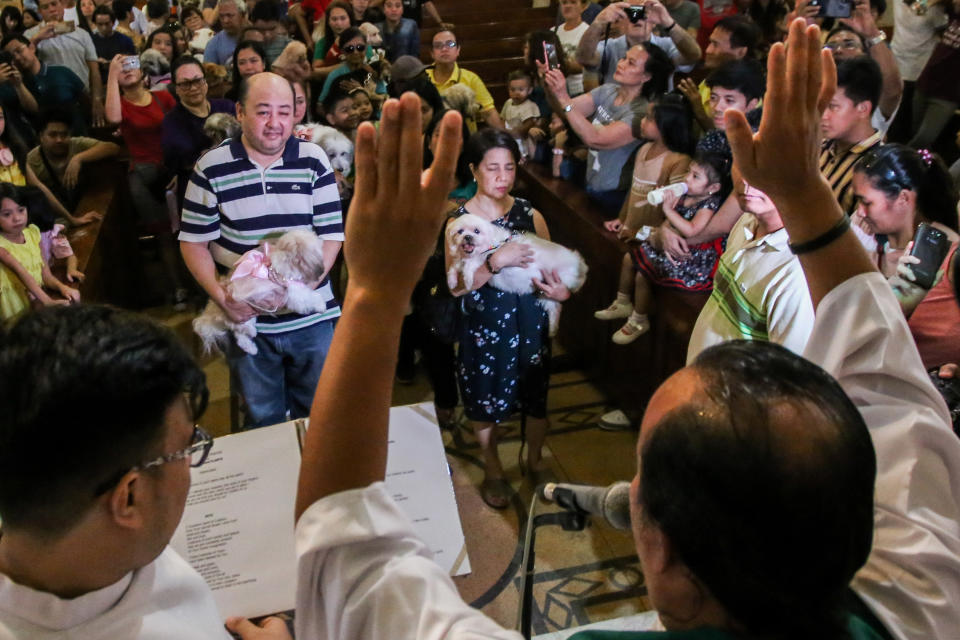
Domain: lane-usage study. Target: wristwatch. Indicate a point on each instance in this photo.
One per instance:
(877, 39)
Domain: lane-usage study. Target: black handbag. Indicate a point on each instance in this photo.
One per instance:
(439, 310)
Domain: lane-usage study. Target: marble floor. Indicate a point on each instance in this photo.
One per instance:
(580, 577)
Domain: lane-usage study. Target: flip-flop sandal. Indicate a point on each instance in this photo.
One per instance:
(496, 493)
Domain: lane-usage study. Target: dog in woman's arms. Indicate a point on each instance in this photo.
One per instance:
(280, 275)
(470, 239)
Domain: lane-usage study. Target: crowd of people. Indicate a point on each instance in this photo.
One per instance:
(788, 183)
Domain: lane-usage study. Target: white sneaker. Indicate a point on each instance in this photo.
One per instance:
(631, 330)
(618, 309)
(615, 420)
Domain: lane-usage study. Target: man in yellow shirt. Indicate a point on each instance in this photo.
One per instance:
(446, 73)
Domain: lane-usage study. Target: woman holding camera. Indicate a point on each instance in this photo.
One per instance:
(140, 112)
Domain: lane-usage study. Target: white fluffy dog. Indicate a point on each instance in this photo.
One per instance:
(470, 239)
(337, 146)
(278, 275)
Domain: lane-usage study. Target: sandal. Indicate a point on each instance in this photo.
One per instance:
(496, 493)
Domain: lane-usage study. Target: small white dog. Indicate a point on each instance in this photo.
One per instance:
(278, 275)
(470, 239)
(337, 146)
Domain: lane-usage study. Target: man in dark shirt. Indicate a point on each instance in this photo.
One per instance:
(108, 42)
(54, 86)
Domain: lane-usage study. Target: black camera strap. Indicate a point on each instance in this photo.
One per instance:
(603, 57)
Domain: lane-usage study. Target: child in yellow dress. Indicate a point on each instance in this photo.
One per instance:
(23, 266)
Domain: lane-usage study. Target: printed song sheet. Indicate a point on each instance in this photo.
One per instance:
(237, 529)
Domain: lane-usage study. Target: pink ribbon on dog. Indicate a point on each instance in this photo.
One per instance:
(253, 264)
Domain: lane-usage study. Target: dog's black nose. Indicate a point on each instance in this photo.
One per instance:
(468, 238)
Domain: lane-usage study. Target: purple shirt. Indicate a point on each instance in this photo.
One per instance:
(184, 140)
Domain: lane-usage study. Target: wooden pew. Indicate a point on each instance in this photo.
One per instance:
(627, 374)
(106, 250)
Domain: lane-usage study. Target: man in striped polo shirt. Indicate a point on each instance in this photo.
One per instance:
(255, 187)
(847, 125)
(759, 291)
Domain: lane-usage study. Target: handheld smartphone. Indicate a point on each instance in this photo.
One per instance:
(67, 26)
(930, 245)
(550, 56)
(636, 14)
(131, 62)
(6, 57)
(835, 8)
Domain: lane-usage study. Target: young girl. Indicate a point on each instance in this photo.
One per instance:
(12, 154)
(646, 265)
(23, 264)
(663, 159)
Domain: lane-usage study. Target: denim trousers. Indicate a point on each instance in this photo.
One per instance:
(283, 375)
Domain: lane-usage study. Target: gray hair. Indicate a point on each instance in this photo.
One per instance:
(239, 4)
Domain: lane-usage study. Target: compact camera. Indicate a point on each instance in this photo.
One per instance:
(636, 14)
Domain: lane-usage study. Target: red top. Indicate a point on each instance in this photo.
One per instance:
(142, 127)
(314, 9)
(935, 323)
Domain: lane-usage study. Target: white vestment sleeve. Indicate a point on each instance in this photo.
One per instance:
(912, 579)
(364, 575)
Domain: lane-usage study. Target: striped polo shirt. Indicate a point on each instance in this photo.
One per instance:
(837, 168)
(233, 204)
(759, 293)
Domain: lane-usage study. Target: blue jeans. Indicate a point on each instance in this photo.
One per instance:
(283, 375)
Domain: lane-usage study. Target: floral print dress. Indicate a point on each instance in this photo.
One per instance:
(503, 360)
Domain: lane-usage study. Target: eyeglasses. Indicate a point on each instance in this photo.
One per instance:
(354, 48)
(849, 45)
(187, 85)
(446, 44)
(200, 444)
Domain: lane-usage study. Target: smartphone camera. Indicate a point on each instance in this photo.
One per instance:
(131, 62)
(635, 14)
(6, 57)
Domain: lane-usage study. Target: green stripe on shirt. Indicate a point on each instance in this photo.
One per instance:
(734, 305)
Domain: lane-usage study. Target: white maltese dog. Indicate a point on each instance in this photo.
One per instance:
(280, 274)
(336, 145)
(470, 239)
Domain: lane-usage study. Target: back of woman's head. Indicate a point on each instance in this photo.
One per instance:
(486, 139)
(462, 173)
(660, 68)
(674, 118)
(535, 42)
(893, 168)
(427, 91)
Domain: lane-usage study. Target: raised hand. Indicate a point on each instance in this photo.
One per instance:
(783, 156)
(396, 214)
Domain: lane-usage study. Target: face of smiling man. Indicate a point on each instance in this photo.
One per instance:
(266, 115)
